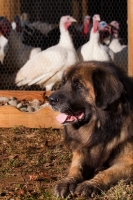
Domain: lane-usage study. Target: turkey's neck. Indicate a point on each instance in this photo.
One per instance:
(95, 26)
(85, 28)
(65, 38)
(94, 36)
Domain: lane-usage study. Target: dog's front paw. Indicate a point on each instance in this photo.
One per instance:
(86, 189)
(65, 187)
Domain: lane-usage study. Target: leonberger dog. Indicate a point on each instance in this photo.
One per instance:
(95, 103)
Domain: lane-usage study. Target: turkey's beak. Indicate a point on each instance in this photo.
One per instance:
(73, 20)
(98, 18)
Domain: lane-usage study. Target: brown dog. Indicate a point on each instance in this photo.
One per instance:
(96, 105)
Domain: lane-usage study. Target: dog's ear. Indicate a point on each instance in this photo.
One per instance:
(107, 88)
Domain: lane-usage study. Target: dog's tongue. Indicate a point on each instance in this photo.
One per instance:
(63, 117)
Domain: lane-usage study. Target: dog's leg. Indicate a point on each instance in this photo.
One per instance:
(105, 179)
(67, 186)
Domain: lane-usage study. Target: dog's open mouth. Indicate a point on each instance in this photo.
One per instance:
(63, 118)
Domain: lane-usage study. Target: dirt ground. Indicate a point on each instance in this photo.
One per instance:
(32, 160)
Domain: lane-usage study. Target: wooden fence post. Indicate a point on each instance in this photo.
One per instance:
(84, 8)
(130, 37)
(9, 8)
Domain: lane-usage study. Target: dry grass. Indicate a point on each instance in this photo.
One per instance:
(32, 160)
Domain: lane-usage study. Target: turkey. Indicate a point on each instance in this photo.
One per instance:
(86, 25)
(115, 44)
(3, 43)
(20, 21)
(13, 53)
(46, 67)
(17, 53)
(120, 51)
(16, 24)
(5, 29)
(80, 34)
(93, 49)
(105, 32)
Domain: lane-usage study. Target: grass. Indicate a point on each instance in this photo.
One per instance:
(33, 160)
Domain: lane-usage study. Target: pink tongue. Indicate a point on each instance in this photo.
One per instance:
(63, 117)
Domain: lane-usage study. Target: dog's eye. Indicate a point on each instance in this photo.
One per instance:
(77, 85)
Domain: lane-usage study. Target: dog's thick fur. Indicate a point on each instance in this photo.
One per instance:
(101, 139)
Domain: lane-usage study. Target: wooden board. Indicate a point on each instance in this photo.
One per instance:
(43, 118)
(28, 95)
(130, 37)
(9, 8)
(84, 8)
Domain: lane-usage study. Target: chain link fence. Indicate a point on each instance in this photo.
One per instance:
(35, 28)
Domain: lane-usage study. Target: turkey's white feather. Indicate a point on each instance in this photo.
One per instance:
(115, 45)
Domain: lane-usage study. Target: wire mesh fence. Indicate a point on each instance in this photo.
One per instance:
(34, 46)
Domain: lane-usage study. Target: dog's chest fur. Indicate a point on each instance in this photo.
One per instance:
(98, 154)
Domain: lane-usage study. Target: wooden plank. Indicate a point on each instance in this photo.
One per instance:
(4, 10)
(84, 8)
(27, 95)
(10, 116)
(75, 5)
(14, 8)
(130, 37)
(43, 118)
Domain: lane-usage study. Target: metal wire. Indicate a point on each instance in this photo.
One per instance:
(50, 12)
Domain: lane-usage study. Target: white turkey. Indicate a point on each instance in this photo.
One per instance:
(93, 49)
(115, 44)
(5, 29)
(120, 51)
(46, 67)
(3, 43)
(105, 32)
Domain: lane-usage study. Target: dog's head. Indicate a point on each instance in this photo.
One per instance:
(86, 86)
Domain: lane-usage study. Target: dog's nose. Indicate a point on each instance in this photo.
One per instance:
(52, 100)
